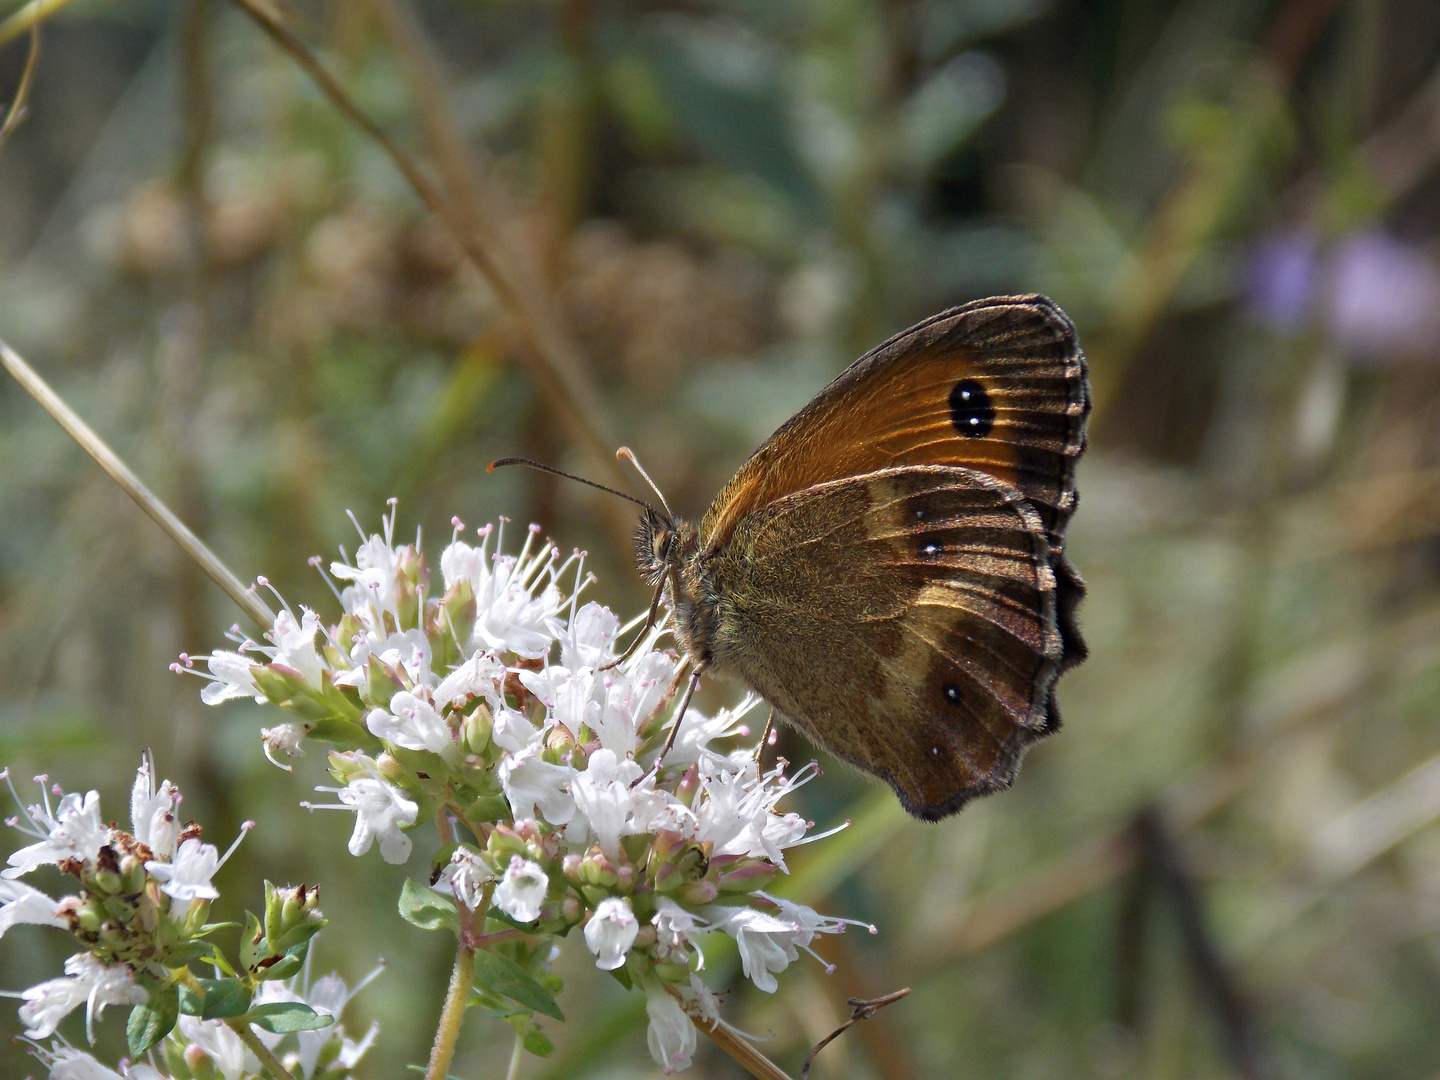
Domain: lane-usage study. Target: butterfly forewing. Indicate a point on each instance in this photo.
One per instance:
(904, 618)
(997, 385)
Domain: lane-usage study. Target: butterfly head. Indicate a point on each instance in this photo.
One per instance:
(661, 543)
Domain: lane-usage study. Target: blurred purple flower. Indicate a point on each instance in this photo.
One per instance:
(1376, 296)
(1384, 297)
(1283, 271)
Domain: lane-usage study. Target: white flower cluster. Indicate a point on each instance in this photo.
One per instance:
(136, 871)
(499, 703)
(138, 917)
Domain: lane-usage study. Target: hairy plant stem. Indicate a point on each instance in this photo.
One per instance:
(447, 1033)
(270, 1062)
(452, 1015)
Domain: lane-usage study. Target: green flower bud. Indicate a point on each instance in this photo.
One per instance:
(748, 876)
(87, 918)
(458, 604)
(132, 875)
(381, 683)
(475, 729)
(673, 973)
(697, 892)
(503, 843)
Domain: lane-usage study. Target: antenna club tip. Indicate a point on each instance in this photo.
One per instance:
(490, 467)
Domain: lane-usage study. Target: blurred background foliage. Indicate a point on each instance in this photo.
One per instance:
(1225, 864)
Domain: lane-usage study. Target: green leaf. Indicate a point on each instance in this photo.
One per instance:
(538, 1044)
(427, 909)
(344, 734)
(283, 1017)
(215, 998)
(499, 973)
(211, 927)
(151, 1022)
(188, 953)
(252, 942)
(287, 965)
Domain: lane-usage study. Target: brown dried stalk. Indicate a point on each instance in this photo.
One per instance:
(19, 106)
(558, 365)
(28, 17)
(131, 484)
(741, 1050)
(860, 1009)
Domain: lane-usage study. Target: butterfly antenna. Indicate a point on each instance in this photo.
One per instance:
(626, 454)
(498, 462)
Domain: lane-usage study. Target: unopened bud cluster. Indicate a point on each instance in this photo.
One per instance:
(140, 919)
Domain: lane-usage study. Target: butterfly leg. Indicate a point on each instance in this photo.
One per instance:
(766, 737)
(679, 719)
(649, 622)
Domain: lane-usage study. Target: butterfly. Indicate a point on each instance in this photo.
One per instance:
(888, 570)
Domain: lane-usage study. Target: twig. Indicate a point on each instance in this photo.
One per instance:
(557, 361)
(28, 17)
(740, 1049)
(18, 107)
(860, 1009)
(1212, 972)
(131, 484)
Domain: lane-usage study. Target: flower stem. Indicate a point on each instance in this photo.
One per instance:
(463, 973)
(745, 1055)
(448, 1031)
(267, 1059)
(513, 1073)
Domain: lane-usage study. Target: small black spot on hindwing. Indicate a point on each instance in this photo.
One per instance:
(952, 693)
(970, 409)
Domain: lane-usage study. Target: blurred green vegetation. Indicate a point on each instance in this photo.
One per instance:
(1226, 864)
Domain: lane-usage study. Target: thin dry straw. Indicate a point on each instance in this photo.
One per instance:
(118, 471)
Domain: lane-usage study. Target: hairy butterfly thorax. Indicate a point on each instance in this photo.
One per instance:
(668, 557)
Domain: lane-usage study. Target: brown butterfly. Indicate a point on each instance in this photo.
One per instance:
(888, 569)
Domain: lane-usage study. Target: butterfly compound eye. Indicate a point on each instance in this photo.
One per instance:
(970, 409)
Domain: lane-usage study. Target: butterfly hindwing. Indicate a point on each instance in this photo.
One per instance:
(905, 619)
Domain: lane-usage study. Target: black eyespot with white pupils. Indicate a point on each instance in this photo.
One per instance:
(951, 693)
(970, 409)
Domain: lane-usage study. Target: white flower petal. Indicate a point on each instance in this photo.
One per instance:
(611, 931)
(671, 1035)
(522, 889)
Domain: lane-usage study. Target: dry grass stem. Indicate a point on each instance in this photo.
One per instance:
(27, 18)
(558, 366)
(741, 1050)
(131, 484)
(19, 106)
